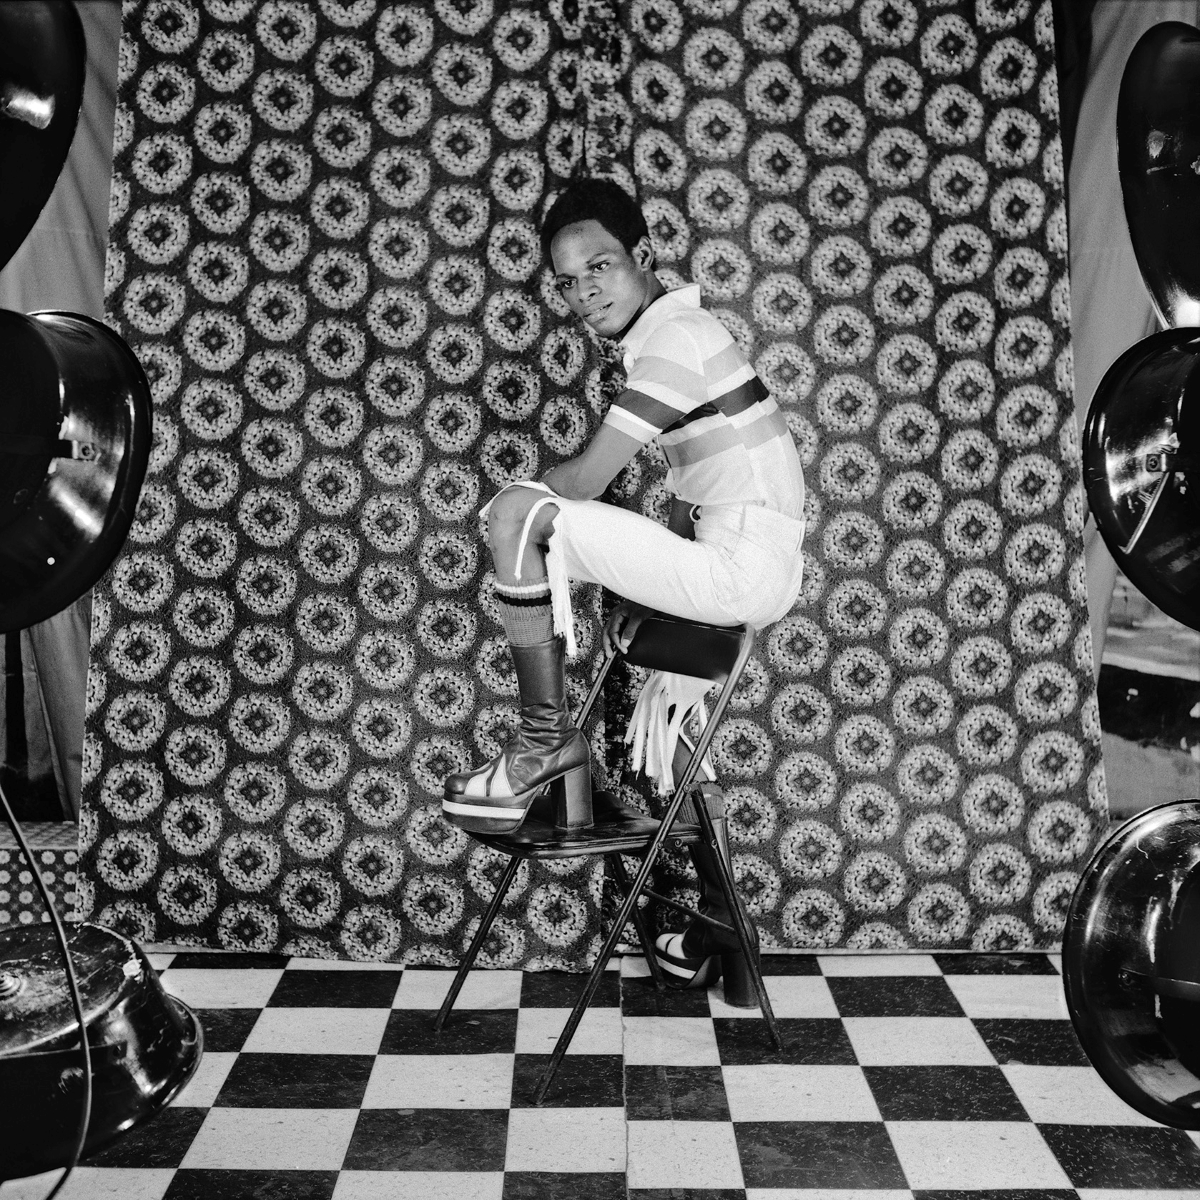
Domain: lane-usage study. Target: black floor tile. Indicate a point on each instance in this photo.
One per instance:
(161, 1142)
(995, 964)
(639, 999)
(944, 1094)
(675, 1094)
(790, 964)
(998, 1194)
(226, 1029)
(807, 1041)
(816, 1154)
(553, 1185)
(296, 1081)
(467, 1031)
(227, 961)
(428, 1139)
(893, 996)
(560, 989)
(1125, 1156)
(251, 1185)
(336, 989)
(1036, 1043)
(583, 1081)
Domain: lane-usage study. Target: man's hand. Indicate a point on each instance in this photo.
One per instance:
(622, 624)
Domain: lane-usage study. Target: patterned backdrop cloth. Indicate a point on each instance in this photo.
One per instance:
(324, 252)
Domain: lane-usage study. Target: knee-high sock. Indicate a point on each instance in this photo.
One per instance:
(525, 612)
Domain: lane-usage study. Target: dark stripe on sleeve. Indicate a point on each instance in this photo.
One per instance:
(653, 412)
(705, 410)
(742, 397)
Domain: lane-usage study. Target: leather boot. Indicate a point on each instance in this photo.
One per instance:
(700, 955)
(548, 753)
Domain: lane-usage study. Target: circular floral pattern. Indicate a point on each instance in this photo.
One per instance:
(325, 252)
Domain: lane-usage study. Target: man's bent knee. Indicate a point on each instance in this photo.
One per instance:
(506, 517)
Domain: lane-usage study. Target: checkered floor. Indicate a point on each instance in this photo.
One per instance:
(902, 1076)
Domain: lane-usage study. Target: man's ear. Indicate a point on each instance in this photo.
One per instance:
(643, 253)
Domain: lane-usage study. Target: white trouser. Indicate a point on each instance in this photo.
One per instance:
(743, 566)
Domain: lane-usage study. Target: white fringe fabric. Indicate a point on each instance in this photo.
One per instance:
(664, 706)
(556, 567)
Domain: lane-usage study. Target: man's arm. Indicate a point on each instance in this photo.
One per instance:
(586, 476)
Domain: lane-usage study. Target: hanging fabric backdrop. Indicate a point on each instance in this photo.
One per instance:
(324, 252)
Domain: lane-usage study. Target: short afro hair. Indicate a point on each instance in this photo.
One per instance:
(599, 200)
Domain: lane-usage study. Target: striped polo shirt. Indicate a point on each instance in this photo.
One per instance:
(689, 386)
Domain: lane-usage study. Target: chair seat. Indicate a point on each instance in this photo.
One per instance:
(615, 829)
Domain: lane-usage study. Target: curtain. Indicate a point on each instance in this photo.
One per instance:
(323, 249)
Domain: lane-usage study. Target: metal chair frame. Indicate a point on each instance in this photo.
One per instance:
(661, 643)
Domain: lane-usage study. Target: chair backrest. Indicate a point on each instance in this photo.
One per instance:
(664, 643)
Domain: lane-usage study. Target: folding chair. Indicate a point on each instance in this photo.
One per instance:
(717, 653)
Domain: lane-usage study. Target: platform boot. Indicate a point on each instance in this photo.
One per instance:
(700, 955)
(547, 754)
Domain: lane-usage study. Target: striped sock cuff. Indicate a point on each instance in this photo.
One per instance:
(524, 595)
(525, 612)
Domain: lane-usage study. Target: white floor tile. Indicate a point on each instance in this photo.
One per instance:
(878, 964)
(975, 1154)
(419, 1185)
(790, 996)
(273, 1139)
(483, 989)
(1025, 997)
(683, 1154)
(440, 1081)
(318, 1031)
(201, 1090)
(566, 1139)
(94, 1183)
(634, 966)
(599, 1031)
(217, 988)
(917, 1041)
(1070, 1096)
(339, 964)
(671, 1042)
(1140, 1194)
(160, 962)
(799, 1093)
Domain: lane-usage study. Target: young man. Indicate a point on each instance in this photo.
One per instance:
(729, 553)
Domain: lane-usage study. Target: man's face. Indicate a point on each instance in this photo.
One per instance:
(604, 284)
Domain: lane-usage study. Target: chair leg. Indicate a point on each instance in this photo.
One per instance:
(741, 925)
(481, 933)
(610, 943)
(639, 921)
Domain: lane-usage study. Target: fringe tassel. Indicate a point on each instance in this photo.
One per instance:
(560, 591)
(655, 730)
(556, 566)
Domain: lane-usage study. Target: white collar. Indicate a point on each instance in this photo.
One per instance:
(666, 306)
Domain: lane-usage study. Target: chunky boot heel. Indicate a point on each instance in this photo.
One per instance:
(739, 987)
(571, 795)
